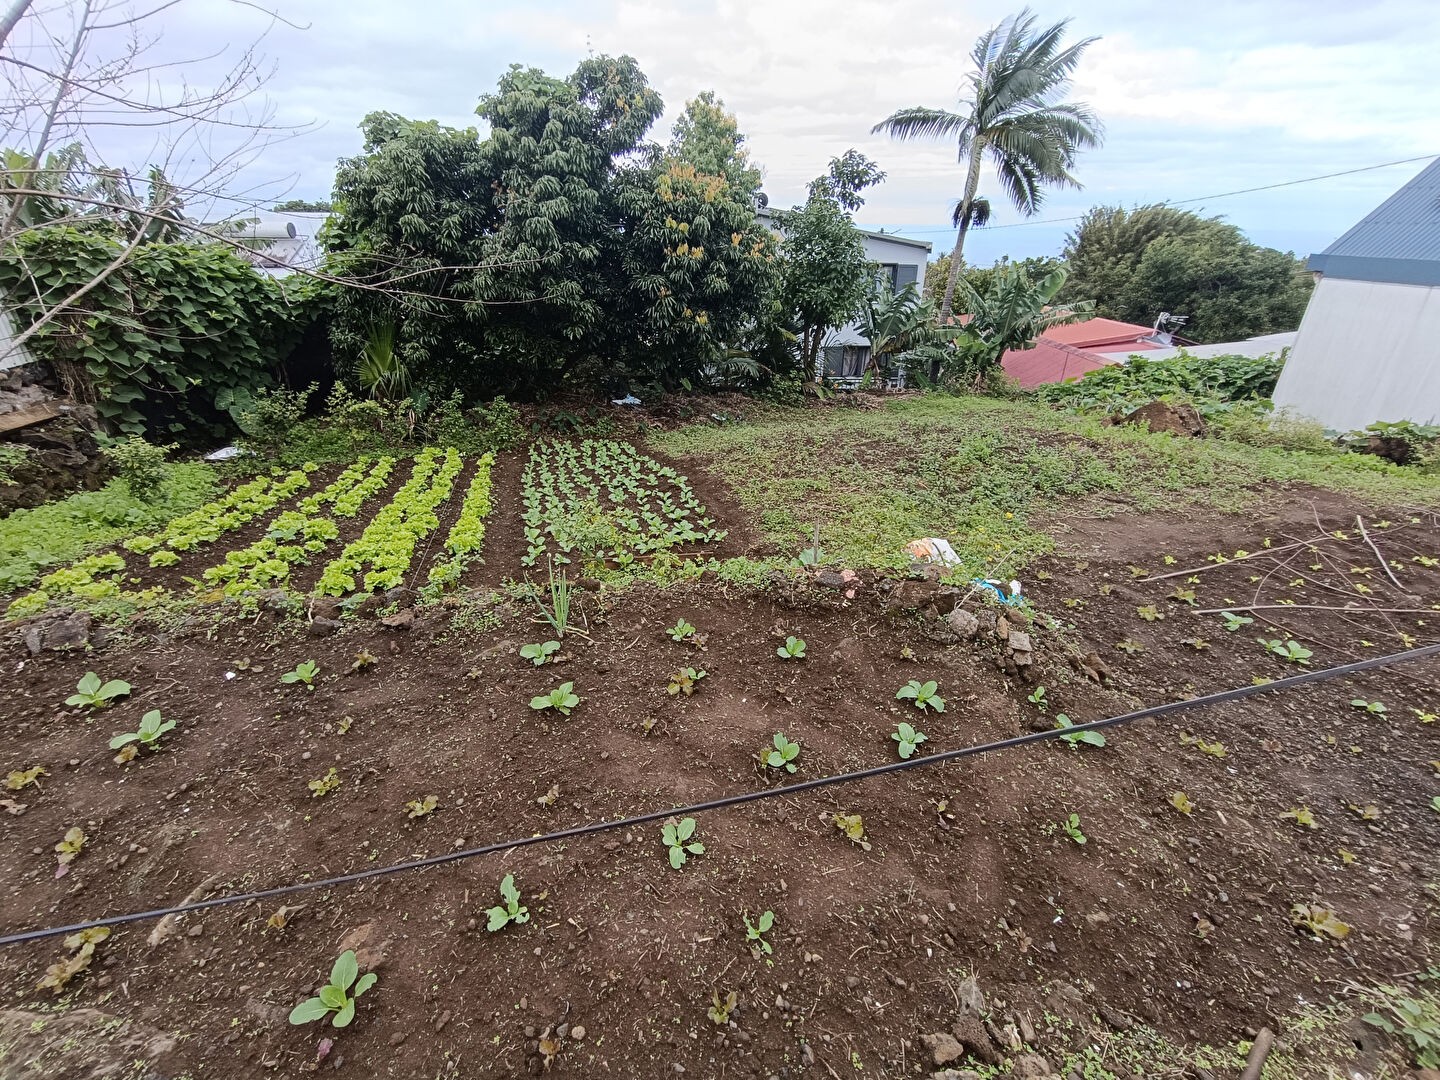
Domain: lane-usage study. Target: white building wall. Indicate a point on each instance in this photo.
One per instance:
(1366, 351)
(885, 252)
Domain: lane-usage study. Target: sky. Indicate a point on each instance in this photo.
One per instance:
(1196, 99)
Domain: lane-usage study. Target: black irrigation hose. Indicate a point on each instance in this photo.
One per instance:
(1235, 694)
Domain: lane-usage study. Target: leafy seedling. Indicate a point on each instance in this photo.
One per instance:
(907, 738)
(421, 807)
(1425, 717)
(336, 995)
(720, 1009)
(1368, 812)
(1185, 596)
(1180, 801)
(303, 673)
(1130, 646)
(1321, 922)
(326, 784)
(681, 631)
(793, 649)
(562, 699)
(511, 910)
(922, 694)
(148, 735)
(539, 652)
(1071, 828)
(684, 680)
(363, 659)
(754, 933)
(1150, 613)
(1089, 738)
(1377, 707)
(1036, 697)
(676, 835)
(82, 949)
(853, 826)
(1291, 650)
(784, 754)
(94, 694)
(23, 778)
(68, 848)
(1235, 622)
(1302, 815)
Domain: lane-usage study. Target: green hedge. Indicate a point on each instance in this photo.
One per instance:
(1204, 379)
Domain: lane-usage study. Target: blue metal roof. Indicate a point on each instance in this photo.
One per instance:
(1398, 241)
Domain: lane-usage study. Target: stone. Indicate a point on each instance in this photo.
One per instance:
(71, 632)
(398, 597)
(970, 995)
(401, 620)
(325, 607)
(1031, 1065)
(970, 1033)
(964, 623)
(1117, 1020)
(323, 627)
(943, 1048)
(1182, 420)
(956, 1074)
(578, 1033)
(1019, 641)
(1066, 1002)
(831, 579)
(1092, 667)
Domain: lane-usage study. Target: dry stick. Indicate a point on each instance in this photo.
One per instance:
(1318, 607)
(1259, 1051)
(1380, 558)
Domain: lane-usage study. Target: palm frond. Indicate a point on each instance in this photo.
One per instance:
(922, 123)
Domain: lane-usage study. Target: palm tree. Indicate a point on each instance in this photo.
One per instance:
(1015, 116)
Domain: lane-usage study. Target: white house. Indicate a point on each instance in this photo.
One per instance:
(1368, 348)
(902, 261)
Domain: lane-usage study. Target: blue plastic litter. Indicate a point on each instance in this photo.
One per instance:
(1010, 597)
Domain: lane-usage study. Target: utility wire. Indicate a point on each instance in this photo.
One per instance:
(1236, 694)
(1199, 199)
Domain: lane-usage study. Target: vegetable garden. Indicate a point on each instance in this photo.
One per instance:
(1097, 904)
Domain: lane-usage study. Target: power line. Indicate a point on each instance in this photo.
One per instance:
(1203, 198)
(1220, 697)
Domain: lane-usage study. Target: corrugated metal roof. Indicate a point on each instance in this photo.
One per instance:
(1398, 241)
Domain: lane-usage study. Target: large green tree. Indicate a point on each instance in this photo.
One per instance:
(825, 277)
(1140, 262)
(1015, 116)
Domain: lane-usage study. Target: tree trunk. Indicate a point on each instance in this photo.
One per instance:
(972, 183)
(12, 16)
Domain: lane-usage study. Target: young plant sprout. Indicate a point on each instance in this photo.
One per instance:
(684, 681)
(922, 694)
(676, 835)
(1090, 738)
(754, 932)
(793, 649)
(681, 631)
(1036, 697)
(336, 996)
(908, 738)
(94, 694)
(151, 728)
(853, 826)
(1377, 707)
(510, 911)
(303, 673)
(1291, 650)
(562, 699)
(784, 754)
(1235, 622)
(539, 653)
(1071, 827)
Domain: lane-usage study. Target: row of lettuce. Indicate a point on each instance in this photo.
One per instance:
(380, 558)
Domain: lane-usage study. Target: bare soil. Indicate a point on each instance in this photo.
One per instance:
(1179, 921)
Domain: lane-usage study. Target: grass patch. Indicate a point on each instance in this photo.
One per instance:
(983, 473)
(32, 541)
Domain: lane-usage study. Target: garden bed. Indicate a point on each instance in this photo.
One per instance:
(1172, 921)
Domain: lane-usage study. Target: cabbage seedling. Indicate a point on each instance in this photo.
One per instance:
(336, 996)
(305, 673)
(681, 631)
(562, 699)
(1369, 706)
(754, 933)
(676, 835)
(1071, 825)
(908, 738)
(1235, 622)
(151, 728)
(922, 694)
(540, 652)
(91, 692)
(511, 910)
(1287, 650)
(793, 649)
(1090, 738)
(784, 754)
(684, 680)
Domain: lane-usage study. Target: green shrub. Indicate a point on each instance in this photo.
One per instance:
(12, 457)
(1122, 387)
(141, 465)
(273, 414)
(1253, 424)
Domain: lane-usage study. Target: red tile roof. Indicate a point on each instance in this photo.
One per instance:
(1067, 352)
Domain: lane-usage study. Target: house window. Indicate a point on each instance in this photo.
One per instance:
(895, 276)
(846, 361)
